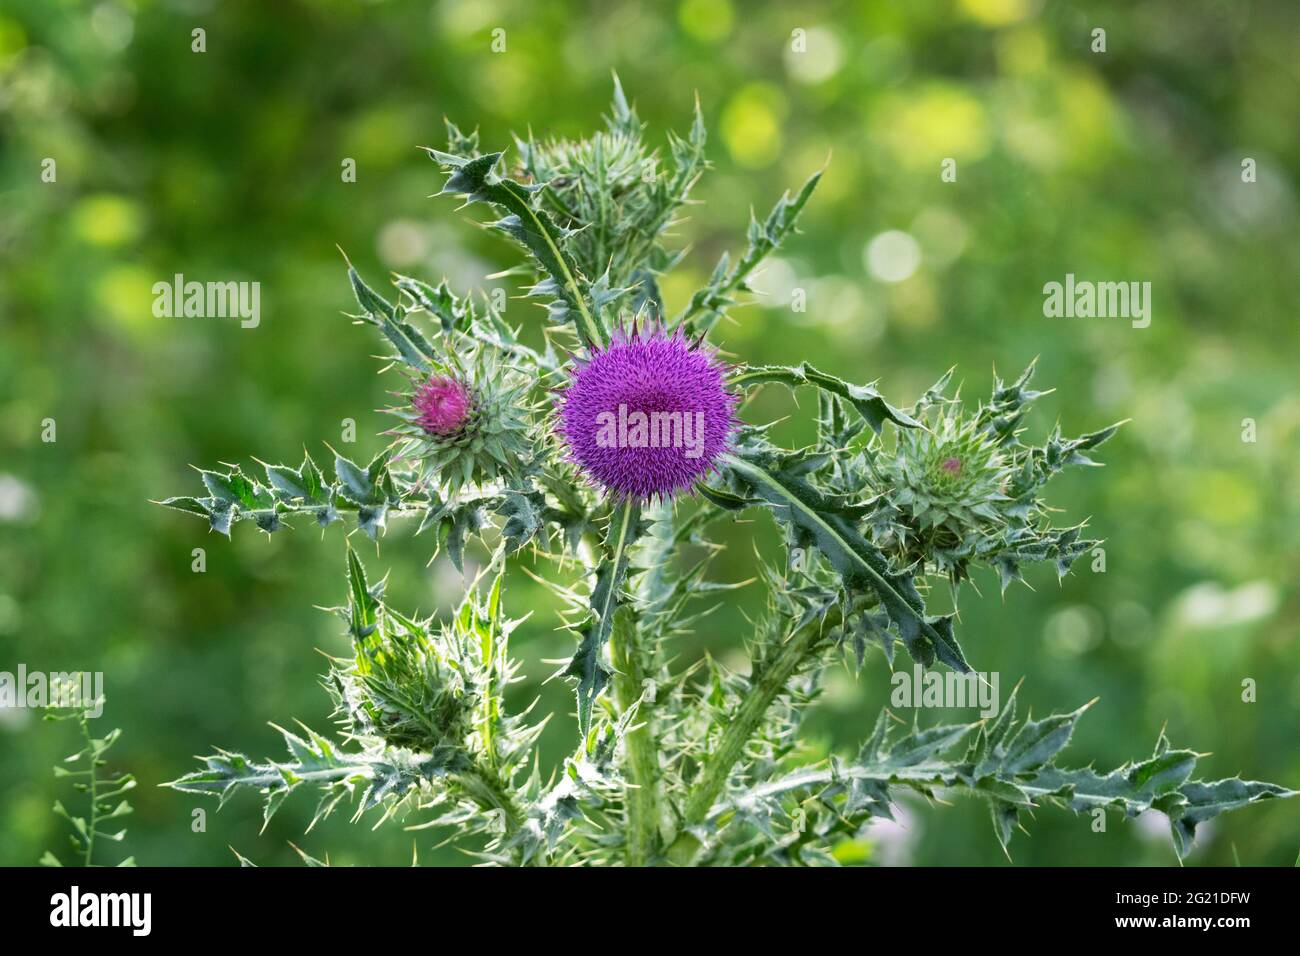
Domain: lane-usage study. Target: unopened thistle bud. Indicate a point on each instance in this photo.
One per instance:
(443, 404)
(951, 475)
(467, 422)
(947, 485)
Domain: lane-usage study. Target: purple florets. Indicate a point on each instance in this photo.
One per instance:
(443, 404)
(648, 416)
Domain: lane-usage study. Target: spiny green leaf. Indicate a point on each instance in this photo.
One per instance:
(372, 493)
(816, 521)
(1020, 776)
(710, 303)
(477, 180)
(588, 667)
(869, 403)
(363, 606)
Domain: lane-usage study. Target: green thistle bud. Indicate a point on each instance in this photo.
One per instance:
(431, 688)
(946, 484)
(410, 683)
(409, 688)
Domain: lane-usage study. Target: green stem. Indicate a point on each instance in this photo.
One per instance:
(642, 794)
(93, 788)
(486, 788)
(741, 272)
(802, 642)
(633, 665)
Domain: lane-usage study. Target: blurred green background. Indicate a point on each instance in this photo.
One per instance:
(1123, 165)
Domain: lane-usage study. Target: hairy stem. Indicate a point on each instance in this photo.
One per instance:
(800, 644)
(486, 789)
(642, 754)
(635, 663)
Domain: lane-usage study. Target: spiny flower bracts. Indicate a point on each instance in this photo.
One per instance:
(467, 422)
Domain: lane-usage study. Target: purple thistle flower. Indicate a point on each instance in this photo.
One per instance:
(648, 416)
(444, 404)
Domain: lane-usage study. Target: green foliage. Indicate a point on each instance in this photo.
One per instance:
(368, 492)
(520, 511)
(693, 764)
(568, 292)
(711, 303)
(817, 520)
(588, 667)
(798, 817)
(617, 199)
(866, 401)
(104, 794)
(421, 718)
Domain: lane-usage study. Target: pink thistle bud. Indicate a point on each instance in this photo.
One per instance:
(444, 405)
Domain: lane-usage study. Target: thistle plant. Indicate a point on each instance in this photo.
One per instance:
(104, 794)
(620, 441)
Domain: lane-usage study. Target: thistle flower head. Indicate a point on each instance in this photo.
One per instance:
(443, 404)
(647, 416)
